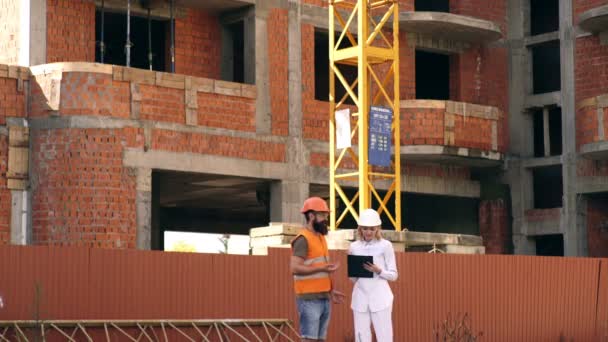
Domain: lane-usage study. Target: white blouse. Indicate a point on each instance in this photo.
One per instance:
(374, 294)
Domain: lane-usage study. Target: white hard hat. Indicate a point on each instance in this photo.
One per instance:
(369, 218)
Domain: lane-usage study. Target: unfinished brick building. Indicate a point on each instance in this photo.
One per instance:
(503, 119)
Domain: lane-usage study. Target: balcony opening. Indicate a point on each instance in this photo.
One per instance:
(192, 207)
(544, 16)
(322, 69)
(432, 5)
(233, 52)
(550, 245)
(419, 212)
(546, 71)
(114, 31)
(548, 187)
(547, 132)
(432, 76)
(238, 45)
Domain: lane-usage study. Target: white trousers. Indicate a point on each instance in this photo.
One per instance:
(382, 321)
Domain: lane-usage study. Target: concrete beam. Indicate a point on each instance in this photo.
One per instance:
(596, 151)
(84, 121)
(589, 185)
(542, 100)
(544, 227)
(541, 162)
(450, 26)
(144, 208)
(413, 184)
(594, 20)
(190, 162)
(541, 38)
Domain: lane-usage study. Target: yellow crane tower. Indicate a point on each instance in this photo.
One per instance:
(375, 121)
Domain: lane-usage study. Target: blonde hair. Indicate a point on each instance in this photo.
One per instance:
(377, 236)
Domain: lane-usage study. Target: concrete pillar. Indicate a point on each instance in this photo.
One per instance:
(262, 109)
(37, 42)
(520, 125)
(286, 198)
(575, 236)
(575, 232)
(523, 245)
(21, 231)
(144, 208)
(288, 195)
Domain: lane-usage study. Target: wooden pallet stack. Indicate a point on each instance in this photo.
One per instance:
(276, 235)
(280, 235)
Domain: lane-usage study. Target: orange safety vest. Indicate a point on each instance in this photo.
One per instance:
(318, 254)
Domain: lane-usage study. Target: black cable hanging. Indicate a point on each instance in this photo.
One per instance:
(102, 44)
(172, 23)
(149, 40)
(128, 42)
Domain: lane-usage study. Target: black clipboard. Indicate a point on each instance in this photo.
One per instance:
(355, 266)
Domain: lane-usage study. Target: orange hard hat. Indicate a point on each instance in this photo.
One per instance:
(314, 204)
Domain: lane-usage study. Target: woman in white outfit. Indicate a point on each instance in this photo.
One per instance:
(372, 300)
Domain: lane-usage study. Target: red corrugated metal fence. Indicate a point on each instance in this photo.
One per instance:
(507, 298)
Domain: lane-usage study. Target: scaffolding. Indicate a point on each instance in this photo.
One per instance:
(373, 54)
(150, 330)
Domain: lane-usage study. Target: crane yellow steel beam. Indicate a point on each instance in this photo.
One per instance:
(370, 48)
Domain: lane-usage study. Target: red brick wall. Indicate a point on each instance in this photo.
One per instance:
(278, 62)
(12, 102)
(536, 215)
(198, 45)
(591, 68)
(323, 3)
(580, 6)
(422, 126)
(407, 66)
(83, 195)
(85, 93)
(314, 113)
(318, 159)
(218, 145)
(592, 168)
(9, 31)
(70, 35)
(5, 194)
(597, 227)
(472, 132)
(495, 11)
(480, 76)
(494, 226)
(162, 104)
(223, 111)
(587, 125)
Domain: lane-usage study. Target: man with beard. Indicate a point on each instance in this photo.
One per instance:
(311, 269)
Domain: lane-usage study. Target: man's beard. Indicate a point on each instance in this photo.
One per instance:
(320, 227)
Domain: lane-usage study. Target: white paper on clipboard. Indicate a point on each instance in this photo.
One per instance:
(343, 128)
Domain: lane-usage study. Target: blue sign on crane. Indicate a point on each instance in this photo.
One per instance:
(380, 121)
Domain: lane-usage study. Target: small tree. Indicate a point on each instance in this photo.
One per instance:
(224, 240)
(456, 329)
